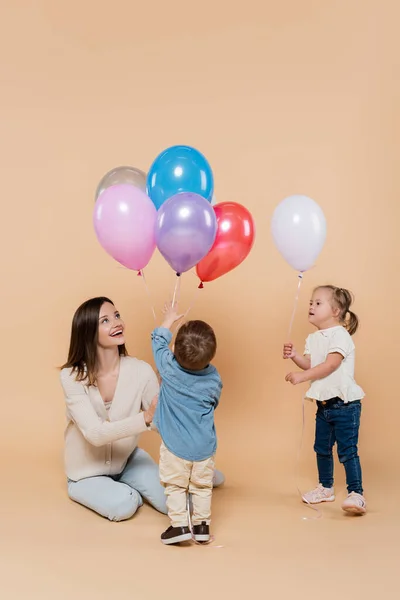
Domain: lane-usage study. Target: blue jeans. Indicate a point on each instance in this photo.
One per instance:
(338, 422)
(118, 497)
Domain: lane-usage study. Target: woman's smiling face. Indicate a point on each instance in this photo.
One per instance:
(111, 327)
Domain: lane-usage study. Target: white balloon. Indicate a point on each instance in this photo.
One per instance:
(298, 228)
(213, 200)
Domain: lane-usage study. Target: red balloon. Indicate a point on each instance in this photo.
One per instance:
(235, 238)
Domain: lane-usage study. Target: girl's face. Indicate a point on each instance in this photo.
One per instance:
(111, 327)
(321, 313)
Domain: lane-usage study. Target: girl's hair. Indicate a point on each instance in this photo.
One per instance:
(82, 355)
(343, 299)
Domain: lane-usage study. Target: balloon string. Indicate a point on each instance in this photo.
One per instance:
(319, 514)
(177, 290)
(193, 302)
(149, 294)
(296, 300)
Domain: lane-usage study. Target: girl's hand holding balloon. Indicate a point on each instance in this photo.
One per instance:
(289, 350)
(303, 362)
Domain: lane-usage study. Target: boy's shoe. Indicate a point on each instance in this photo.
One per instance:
(355, 504)
(320, 494)
(201, 532)
(174, 535)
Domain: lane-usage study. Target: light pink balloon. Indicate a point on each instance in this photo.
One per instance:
(124, 221)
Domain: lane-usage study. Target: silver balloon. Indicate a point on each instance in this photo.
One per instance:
(129, 175)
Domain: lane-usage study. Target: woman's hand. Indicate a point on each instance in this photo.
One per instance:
(149, 413)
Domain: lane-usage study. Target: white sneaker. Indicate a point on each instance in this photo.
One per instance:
(355, 504)
(320, 494)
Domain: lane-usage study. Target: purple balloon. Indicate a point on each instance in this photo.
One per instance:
(185, 230)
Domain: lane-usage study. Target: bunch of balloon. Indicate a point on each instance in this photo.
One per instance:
(172, 208)
(298, 229)
(180, 183)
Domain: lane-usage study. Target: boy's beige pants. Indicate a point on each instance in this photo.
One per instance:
(181, 476)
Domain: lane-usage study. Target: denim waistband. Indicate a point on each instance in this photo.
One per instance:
(335, 402)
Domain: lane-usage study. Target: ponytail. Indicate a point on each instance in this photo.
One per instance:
(352, 322)
(343, 299)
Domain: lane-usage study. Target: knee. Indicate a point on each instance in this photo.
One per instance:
(125, 506)
(178, 479)
(323, 452)
(200, 486)
(218, 478)
(116, 503)
(348, 455)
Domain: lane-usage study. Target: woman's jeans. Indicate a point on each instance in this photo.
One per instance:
(118, 497)
(338, 422)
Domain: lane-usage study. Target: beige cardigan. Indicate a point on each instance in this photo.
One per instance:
(97, 441)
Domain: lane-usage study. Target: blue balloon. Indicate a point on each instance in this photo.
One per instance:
(179, 169)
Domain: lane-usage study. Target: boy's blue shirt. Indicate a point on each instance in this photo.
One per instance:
(185, 411)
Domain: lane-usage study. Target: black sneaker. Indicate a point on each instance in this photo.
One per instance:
(174, 535)
(201, 532)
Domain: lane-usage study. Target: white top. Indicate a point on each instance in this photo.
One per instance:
(341, 382)
(99, 441)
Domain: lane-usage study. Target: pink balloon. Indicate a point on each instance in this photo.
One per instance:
(124, 221)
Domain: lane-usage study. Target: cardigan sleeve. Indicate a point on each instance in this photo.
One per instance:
(96, 431)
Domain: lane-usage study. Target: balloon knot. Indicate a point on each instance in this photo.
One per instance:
(201, 286)
(139, 273)
(178, 274)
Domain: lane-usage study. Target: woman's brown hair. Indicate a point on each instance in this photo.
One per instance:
(82, 355)
(343, 299)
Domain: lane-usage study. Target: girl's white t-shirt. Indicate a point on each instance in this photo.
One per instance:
(341, 382)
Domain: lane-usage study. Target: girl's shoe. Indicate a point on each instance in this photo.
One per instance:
(320, 494)
(355, 504)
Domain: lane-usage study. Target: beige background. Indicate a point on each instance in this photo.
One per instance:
(288, 97)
